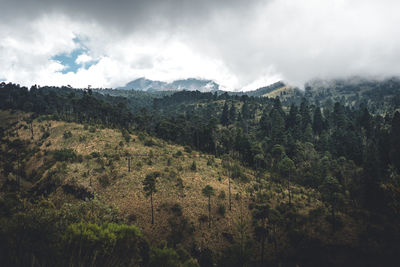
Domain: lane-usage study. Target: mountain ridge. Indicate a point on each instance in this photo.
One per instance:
(190, 84)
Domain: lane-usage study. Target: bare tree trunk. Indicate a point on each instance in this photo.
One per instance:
(262, 251)
(333, 219)
(290, 196)
(209, 211)
(19, 171)
(31, 129)
(152, 209)
(230, 199)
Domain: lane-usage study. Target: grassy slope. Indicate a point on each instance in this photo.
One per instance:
(125, 188)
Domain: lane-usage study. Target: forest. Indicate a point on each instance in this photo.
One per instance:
(319, 169)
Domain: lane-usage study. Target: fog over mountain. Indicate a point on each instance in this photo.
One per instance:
(240, 45)
(191, 84)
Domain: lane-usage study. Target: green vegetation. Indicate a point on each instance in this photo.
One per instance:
(208, 191)
(306, 178)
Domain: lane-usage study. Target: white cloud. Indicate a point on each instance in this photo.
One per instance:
(83, 59)
(240, 45)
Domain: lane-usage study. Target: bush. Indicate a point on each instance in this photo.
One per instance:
(193, 167)
(176, 209)
(95, 154)
(109, 244)
(125, 135)
(188, 149)
(203, 218)
(64, 155)
(221, 195)
(178, 154)
(45, 135)
(141, 137)
(221, 209)
(149, 142)
(104, 180)
(92, 129)
(67, 134)
(166, 257)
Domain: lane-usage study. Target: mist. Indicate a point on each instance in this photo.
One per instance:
(241, 45)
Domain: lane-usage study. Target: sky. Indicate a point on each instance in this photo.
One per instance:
(242, 45)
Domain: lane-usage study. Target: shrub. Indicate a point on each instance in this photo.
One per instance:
(221, 195)
(176, 209)
(125, 135)
(95, 154)
(64, 155)
(221, 209)
(178, 154)
(45, 135)
(92, 129)
(108, 244)
(193, 167)
(67, 134)
(164, 257)
(203, 218)
(141, 137)
(104, 180)
(149, 142)
(188, 149)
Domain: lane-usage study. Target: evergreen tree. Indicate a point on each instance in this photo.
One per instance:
(225, 115)
(395, 141)
(318, 124)
(208, 191)
(232, 113)
(286, 168)
(149, 186)
(331, 191)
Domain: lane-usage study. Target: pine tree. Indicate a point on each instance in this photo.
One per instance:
(318, 123)
(149, 186)
(225, 115)
(208, 191)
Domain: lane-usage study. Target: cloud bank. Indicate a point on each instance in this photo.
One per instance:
(239, 44)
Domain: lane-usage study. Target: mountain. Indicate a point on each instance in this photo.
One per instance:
(131, 179)
(143, 84)
(380, 96)
(266, 90)
(191, 84)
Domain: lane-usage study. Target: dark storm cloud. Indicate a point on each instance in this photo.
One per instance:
(125, 14)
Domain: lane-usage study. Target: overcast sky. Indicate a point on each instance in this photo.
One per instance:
(239, 44)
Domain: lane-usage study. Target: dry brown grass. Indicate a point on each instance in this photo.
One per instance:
(125, 190)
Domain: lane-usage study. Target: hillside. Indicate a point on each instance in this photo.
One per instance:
(304, 178)
(99, 167)
(379, 95)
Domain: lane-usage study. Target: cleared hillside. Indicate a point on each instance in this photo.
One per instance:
(99, 167)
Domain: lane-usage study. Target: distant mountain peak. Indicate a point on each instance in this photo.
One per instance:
(190, 84)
